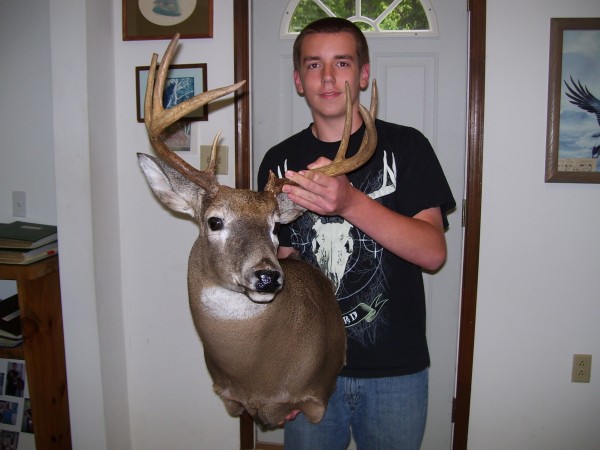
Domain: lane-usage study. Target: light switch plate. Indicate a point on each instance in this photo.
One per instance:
(222, 158)
(19, 203)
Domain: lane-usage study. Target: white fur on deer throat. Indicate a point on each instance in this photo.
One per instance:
(225, 304)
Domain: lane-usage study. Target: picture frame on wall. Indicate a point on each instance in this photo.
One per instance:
(183, 81)
(573, 130)
(161, 19)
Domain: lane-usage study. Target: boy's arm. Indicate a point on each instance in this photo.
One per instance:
(419, 239)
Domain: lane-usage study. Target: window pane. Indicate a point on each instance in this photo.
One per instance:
(306, 12)
(373, 9)
(341, 8)
(408, 15)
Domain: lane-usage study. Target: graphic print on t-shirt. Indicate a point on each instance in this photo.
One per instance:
(350, 258)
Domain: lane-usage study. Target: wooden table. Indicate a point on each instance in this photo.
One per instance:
(43, 350)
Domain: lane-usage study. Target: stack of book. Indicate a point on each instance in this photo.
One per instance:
(25, 243)
(10, 322)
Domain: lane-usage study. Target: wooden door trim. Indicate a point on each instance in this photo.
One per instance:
(241, 69)
(466, 340)
(476, 91)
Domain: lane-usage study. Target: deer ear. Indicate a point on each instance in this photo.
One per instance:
(172, 189)
(288, 210)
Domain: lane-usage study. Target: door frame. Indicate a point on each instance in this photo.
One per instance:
(471, 203)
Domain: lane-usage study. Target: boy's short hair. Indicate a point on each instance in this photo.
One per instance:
(333, 25)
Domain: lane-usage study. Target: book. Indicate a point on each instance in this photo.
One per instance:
(8, 342)
(24, 235)
(10, 322)
(16, 256)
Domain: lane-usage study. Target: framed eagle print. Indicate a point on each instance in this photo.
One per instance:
(573, 132)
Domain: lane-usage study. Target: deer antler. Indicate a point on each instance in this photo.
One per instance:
(157, 119)
(340, 164)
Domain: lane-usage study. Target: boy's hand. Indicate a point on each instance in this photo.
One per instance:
(321, 162)
(319, 193)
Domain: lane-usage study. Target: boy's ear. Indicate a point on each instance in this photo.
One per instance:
(365, 71)
(298, 82)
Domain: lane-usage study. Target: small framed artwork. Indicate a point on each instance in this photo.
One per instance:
(573, 132)
(161, 19)
(183, 81)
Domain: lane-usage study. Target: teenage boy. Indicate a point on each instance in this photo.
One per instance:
(372, 231)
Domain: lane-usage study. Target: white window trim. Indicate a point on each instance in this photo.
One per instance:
(429, 12)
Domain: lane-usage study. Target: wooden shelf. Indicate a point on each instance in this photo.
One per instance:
(12, 352)
(38, 286)
(27, 272)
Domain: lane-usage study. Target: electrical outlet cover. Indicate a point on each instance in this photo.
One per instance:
(582, 368)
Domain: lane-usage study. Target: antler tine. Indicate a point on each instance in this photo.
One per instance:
(148, 97)
(343, 148)
(168, 117)
(212, 164)
(157, 119)
(341, 154)
(374, 99)
(340, 164)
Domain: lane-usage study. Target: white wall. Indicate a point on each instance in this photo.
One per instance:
(171, 401)
(26, 156)
(136, 375)
(26, 110)
(538, 301)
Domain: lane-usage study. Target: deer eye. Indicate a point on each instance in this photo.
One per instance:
(276, 228)
(215, 223)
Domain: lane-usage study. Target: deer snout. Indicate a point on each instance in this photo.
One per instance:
(263, 280)
(268, 280)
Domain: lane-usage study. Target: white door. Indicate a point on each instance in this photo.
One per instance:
(422, 82)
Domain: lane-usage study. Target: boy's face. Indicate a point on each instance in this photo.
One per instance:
(327, 61)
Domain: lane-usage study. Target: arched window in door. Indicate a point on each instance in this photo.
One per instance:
(374, 17)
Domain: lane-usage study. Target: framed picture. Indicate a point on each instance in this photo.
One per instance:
(573, 133)
(183, 81)
(161, 19)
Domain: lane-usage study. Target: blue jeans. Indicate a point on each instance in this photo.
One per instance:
(381, 413)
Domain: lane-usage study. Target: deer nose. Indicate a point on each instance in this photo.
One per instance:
(268, 280)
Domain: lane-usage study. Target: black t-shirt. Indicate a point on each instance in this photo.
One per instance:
(380, 295)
